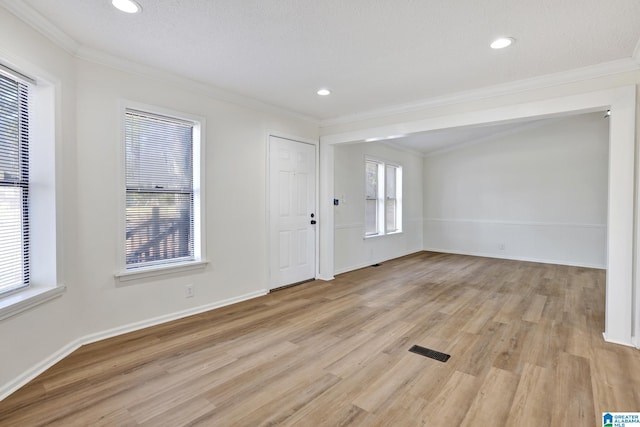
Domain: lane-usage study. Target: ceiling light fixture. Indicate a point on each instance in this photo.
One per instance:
(324, 92)
(502, 42)
(127, 6)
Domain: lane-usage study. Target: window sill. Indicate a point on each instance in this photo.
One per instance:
(373, 236)
(142, 273)
(20, 301)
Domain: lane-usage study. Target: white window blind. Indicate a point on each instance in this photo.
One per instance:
(159, 189)
(14, 184)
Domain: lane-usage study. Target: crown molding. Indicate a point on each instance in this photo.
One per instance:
(118, 63)
(535, 83)
(40, 23)
(32, 17)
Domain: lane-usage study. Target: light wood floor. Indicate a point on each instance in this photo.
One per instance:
(525, 341)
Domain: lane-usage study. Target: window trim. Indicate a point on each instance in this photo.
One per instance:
(45, 196)
(27, 298)
(159, 270)
(381, 201)
(398, 198)
(125, 274)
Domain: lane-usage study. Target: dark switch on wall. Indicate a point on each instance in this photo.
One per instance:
(336, 202)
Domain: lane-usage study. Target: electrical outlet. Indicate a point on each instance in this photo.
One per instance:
(501, 247)
(188, 291)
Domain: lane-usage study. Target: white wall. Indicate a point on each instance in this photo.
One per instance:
(235, 167)
(538, 195)
(96, 305)
(33, 336)
(352, 250)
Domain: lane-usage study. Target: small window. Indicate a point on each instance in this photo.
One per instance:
(391, 200)
(14, 184)
(383, 198)
(371, 198)
(160, 199)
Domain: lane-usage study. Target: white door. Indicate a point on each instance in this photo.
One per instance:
(292, 213)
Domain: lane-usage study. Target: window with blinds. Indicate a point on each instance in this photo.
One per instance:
(14, 184)
(159, 189)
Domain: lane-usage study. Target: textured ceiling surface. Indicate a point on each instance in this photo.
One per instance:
(371, 54)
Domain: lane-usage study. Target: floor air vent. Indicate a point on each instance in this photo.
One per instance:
(427, 352)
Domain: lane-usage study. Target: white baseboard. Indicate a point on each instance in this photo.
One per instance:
(370, 263)
(517, 258)
(626, 344)
(37, 369)
(88, 339)
(354, 267)
(10, 387)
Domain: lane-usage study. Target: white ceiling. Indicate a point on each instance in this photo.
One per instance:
(371, 54)
(443, 140)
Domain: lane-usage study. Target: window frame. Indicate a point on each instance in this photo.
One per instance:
(127, 273)
(382, 199)
(45, 195)
(397, 198)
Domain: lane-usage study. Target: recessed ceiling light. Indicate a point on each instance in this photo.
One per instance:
(502, 42)
(324, 92)
(126, 6)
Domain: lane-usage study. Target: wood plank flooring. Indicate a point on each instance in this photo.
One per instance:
(525, 341)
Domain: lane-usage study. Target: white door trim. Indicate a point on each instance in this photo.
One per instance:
(316, 144)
